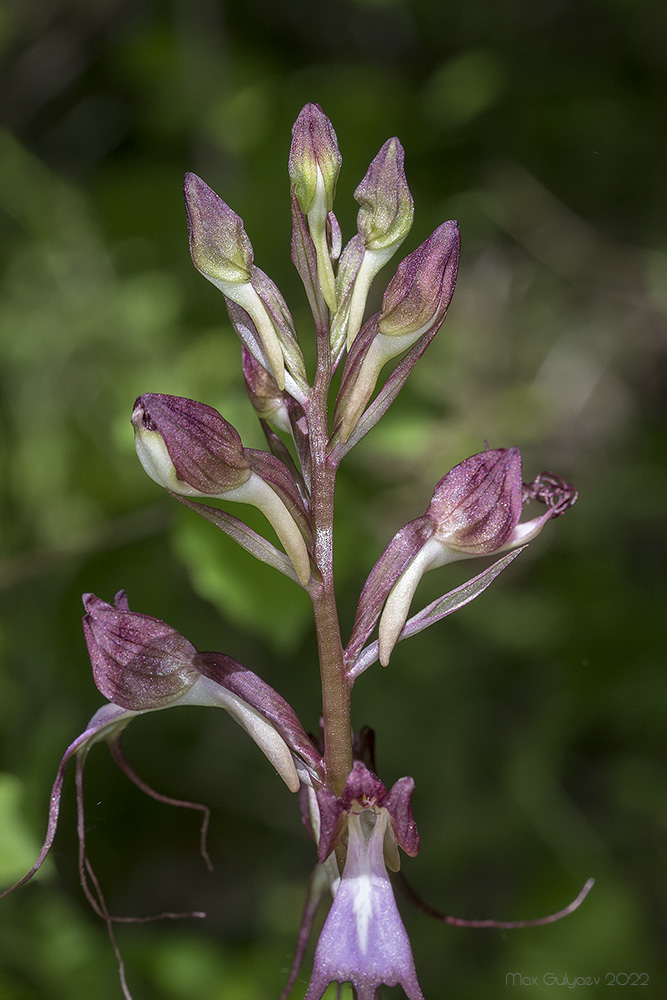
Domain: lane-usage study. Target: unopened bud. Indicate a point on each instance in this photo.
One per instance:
(414, 306)
(222, 252)
(475, 511)
(139, 662)
(187, 447)
(314, 159)
(383, 222)
(418, 295)
(220, 248)
(314, 165)
(385, 216)
(477, 505)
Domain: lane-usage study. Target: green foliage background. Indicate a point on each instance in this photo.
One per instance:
(534, 720)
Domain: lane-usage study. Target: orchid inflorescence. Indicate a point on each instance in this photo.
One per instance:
(141, 664)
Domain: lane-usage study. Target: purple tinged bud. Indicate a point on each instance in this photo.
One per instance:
(187, 447)
(418, 295)
(139, 662)
(414, 307)
(383, 222)
(387, 209)
(475, 511)
(219, 245)
(222, 252)
(477, 505)
(314, 159)
(314, 165)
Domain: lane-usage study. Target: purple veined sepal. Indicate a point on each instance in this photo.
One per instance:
(142, 664)
(475, 511)
(222, 252)
(191, 450)
(413, 310)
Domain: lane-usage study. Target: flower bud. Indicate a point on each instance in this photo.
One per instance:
(475, 510)
(385, 216)
(418, 295)
(383, 222)
(477, 505)
(219, 245)
(314, 165)
(139, 662)
(222, 252)
(187, 446)
(414, 307)
(314, 159)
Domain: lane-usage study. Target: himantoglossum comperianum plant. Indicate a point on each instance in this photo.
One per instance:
(141, 664)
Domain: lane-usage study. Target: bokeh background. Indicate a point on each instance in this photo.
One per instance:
(534, 720)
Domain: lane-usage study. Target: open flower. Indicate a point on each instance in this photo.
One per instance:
(363, 940)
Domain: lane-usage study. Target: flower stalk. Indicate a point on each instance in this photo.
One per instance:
(140, 664)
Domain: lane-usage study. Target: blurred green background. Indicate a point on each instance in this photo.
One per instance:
(533, 721)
